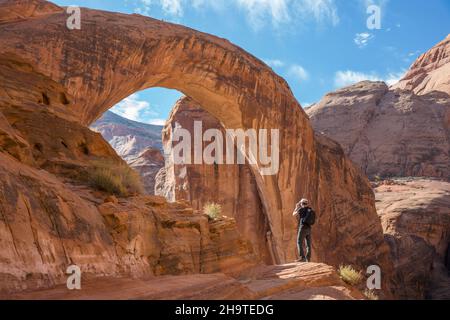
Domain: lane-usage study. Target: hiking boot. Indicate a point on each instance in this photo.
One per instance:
(301, 260)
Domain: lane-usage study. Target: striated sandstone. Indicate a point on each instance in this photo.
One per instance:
(285, 282)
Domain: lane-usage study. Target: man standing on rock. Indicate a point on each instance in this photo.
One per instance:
(306, 218)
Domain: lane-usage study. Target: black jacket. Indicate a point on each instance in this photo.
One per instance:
(303, 215)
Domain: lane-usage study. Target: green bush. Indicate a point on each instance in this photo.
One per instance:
(213, 210)
(350, 275)
(113, 178)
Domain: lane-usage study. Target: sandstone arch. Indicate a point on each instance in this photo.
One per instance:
(115, 55)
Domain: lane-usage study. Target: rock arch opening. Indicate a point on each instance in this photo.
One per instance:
(134, 129)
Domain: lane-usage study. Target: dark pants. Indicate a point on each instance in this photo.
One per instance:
(304, 235)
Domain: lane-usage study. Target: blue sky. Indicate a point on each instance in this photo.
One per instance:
(316, 45)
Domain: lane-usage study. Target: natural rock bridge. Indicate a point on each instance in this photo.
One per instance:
(115, 55)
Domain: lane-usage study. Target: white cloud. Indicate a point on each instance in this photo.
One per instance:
(157, 122)
(274, 63)
(134, 109)
(321, 10)
(394, 77)
(349, 77)
(172, 7)
(298, 72)
(257, 12)
(362, 39)
(346, 78)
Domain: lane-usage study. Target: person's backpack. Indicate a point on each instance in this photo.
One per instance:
(311, 219)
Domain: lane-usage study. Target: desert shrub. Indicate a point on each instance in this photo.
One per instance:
(114, 178)
(370, 294)
(212, 210)
(377, 178)
(350, 275)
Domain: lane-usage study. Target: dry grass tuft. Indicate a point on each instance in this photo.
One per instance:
(113, 178)
(350, 275)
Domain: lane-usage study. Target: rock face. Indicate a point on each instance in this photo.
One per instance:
(231, 186)
(388, 132)
(430, 72)
(416, 218)
(147, 164)
(287, 282)
(115, 55)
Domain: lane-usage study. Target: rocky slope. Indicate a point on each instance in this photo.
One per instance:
(430, 72)
(116, 55)
(129, 138)
(147, 164)
(388, 132)
(416, 218)
(139, 144)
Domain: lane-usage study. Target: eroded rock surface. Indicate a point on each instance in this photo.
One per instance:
(416, 220)
(147, 164)
(430, 72)
(232, 186)
(388, 132)
(285, 282)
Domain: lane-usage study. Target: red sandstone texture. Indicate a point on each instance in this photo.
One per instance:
(289, 282)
